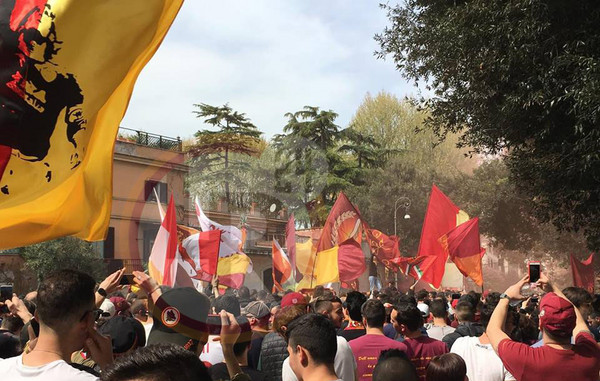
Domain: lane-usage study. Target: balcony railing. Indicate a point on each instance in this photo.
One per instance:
(150, 140)
(113, 265)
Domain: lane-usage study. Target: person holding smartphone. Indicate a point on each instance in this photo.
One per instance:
(557, 359)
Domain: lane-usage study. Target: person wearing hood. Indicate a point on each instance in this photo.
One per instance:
(465, 314)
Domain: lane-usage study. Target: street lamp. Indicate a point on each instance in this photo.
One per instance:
(405, 202)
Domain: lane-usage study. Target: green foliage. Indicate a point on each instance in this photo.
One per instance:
(63, 253)
(220, 158)
(519, 78)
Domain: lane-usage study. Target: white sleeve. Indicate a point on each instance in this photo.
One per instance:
(508, 376)
(287, 374)
(345, 363)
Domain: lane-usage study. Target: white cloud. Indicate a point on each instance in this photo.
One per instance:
(265, 58)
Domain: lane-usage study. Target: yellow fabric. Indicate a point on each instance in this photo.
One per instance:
(326, 267)
(306, 283)
(461, 217)
(234, 264)
(305, 257)
(105, 45)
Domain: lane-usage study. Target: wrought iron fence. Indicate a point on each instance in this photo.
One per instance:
(150, 140)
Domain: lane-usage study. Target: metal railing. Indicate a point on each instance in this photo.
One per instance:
(150, 140)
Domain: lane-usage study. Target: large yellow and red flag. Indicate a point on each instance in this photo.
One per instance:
(67, 70)
(441, 217)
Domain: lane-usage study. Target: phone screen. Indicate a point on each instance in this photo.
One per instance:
(534, 272)
(6, 292)
(455, 296)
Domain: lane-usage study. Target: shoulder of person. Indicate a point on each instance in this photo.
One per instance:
(586, 338)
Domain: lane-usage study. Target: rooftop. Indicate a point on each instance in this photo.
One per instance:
(150, 140)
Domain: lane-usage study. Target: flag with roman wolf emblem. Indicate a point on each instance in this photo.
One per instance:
(67, 70)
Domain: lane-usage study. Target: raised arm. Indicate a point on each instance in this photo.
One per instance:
(494, 329)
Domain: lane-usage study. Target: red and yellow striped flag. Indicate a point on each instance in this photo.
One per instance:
(66, 75)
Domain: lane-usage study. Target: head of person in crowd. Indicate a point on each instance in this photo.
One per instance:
(139, 310)
(258, 314)
(318, 291)
(330, 306)
(293, 298)
(464, 311)
(594, 319)
(354, 302)
(229, 303)
(285, 316)
(261, 295)
(274, 310)
(557, 318)
(393, 365)
(121, 305)
(66, 308)
(373, 313)
(581, 299)
(471, 299)
(244, 293)
(165, 362)
(12, 323)
(126, 333)
(312, 345)
(447, 367)
(180, 317)
(422, 296)
(492, 298)
(407, 319)
(438, 309)
(406, 299)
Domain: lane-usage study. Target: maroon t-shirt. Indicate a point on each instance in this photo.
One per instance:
(581, 363)
(421, 350)
(366, 350)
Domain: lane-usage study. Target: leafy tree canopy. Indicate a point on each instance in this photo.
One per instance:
(519, 78)
(63, 253)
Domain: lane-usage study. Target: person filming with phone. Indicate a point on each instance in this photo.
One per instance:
(557, 359)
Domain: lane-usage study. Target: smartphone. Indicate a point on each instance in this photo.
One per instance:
(455, 296)
(6, 292)
(127, 279)
(534, 271)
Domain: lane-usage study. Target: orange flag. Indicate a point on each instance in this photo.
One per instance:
(463, 246)
(441, 217)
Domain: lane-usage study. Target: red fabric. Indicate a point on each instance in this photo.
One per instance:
(351, 260)
(354, 285)
(5, 152)
(440, 218)
(366, 350)
(382, 246)
(209, 244)
(581, 363)
(583, 273)
(170, 225)
(414, 266)
(421, 350)
(232, 280)
(463, 246)
(343, 222)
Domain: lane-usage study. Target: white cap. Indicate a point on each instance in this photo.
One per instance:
(424, 308)
(108, 307)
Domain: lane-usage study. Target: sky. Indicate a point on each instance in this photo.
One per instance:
(265, 58)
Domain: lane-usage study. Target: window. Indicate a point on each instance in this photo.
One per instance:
(109, 244)
(161, 190)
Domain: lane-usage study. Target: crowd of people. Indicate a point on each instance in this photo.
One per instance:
(71, 328)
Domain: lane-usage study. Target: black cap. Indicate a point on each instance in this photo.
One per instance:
(126, 333)
(180, 316)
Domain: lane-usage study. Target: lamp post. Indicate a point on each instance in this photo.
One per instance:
(404, 201)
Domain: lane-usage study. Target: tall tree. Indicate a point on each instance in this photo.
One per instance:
(63, 253)
(219, 155)
(519, 78)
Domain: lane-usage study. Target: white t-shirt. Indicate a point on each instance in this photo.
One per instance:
(344, 363)
(14, 370)
(483, 364)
